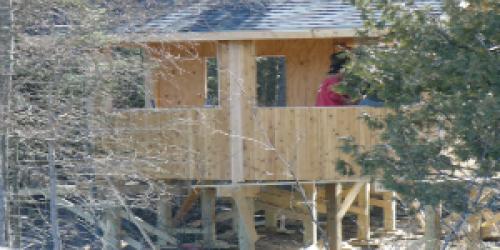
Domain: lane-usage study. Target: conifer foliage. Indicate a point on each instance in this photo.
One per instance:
(438, 73)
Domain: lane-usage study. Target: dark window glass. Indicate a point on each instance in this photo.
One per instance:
(271, 81)
(128, 81)
(212, 83)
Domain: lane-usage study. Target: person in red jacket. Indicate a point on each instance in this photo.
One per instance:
(326, 95)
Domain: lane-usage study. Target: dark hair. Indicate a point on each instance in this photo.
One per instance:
(337, 61)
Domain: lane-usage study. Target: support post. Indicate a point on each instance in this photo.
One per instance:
(389, 211)
(310, 237)
(112, 223)
(363, 218)
(208, 216)
(165, 218)
(246, 223)
(237, 74)
(333, 198)
(473, 234)
(432, 234)
(271, 219)
(235, 215)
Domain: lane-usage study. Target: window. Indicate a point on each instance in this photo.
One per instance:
(271, 81)
(127, 83)
(212, 82)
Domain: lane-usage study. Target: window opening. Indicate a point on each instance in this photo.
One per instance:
(212, 82)
(271, 81)
(128, 81)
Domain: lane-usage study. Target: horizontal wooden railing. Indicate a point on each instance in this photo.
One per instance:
(284, 144)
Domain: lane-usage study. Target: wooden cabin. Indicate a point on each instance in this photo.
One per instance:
(236, 146)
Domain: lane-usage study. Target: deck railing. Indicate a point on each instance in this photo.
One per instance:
(283, 144)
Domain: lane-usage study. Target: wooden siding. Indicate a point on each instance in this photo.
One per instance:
(194, 143)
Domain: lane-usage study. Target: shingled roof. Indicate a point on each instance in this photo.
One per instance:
(209, 16)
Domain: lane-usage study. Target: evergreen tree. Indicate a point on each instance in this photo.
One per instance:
(438, 73)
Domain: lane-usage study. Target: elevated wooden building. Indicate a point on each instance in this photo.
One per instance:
(236, 146)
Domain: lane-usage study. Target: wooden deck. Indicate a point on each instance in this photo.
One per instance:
(286, 143)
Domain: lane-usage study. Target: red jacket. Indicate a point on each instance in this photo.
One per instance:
(327, 97)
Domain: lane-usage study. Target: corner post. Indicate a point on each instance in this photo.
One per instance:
(237, 75)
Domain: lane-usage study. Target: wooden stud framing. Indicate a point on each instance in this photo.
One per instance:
(349, 199)
(333, 198)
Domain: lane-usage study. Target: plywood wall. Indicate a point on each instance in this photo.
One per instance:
(304, 143)
(178, 75)
(169, 143)
(285, 144)
(307, 64)
(179, 78)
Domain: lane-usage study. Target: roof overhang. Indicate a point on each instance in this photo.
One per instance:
(241, 35)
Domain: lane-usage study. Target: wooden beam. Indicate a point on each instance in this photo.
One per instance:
(208, 216)
(350, 197)
(186, 206)
(242, 35)
(389, 211)
(363, 219)
(148, 228)
(247, 235)
(333, 199)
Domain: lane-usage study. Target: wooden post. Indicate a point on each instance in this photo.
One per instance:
(333, 198)
(208, 215)
(165, 218)
(235, 216)
(271, 219)
(112, 223)
(432, 235)
(363, 218)
(473, 234)
(310, 237)
(237, 74)
(246, 223)
(389, 211)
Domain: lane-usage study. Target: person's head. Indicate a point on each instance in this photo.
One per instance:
(337, 61)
